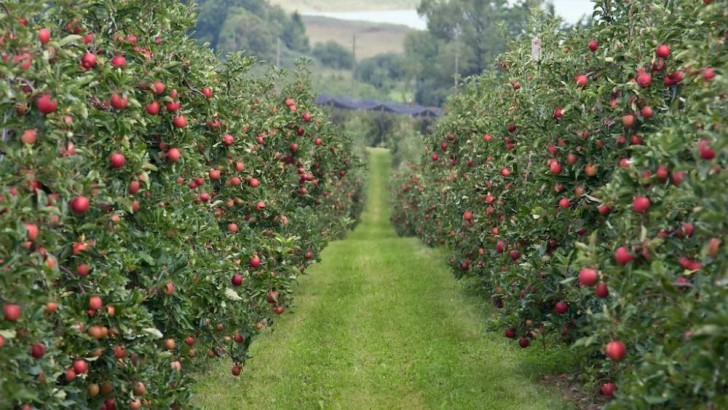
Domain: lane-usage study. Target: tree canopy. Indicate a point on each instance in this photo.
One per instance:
(251, 25)
(466, 33)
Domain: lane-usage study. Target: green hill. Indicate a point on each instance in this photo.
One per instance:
(371, 38)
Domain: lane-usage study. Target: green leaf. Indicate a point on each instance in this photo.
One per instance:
(154, 332)
(232, 295)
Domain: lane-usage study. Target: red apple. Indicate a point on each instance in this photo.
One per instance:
(31, 232)
(678, 177)
(254, 182)
(591, 170)
(83, 269)
(134, 187)
(237, 279)
(117, 160)
(118, 101)
(118, 61)
(29, 137)
(158, 87)
(593, 45)
(561, 307)
(80, 204)
(254, 261)
(616, 350)
(180, 122)
(588, 276)
(662, 173)
(95, 303)
(628, 120)
(709, 74)
(558, 113)
(88, 61)
(622, 256)
(152, 108)
(641, 204)
(173, 155)
(44, 35)
(500, 247)
(713, 247)
(80, 366)
(37, 350)
(12, 312)
(706, 151)
(644, 79)
(647, 112)
(45, 104)
(663, 51)
(555, 168)
(582, 80)
(510, 333)
(601, 290)
(607, 389)
(69, 375)
(524, 342)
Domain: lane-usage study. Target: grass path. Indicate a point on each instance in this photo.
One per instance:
(380, 324)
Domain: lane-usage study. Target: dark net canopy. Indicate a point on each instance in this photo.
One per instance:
(346, 103)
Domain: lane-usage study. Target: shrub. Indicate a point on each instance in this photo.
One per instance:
(606, 158)
(155, 204)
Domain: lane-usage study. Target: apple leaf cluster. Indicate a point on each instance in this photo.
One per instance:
(586, 190)
(156, 204)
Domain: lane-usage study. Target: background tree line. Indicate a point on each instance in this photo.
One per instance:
(463, 38)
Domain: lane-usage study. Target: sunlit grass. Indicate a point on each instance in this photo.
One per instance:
(381, 324)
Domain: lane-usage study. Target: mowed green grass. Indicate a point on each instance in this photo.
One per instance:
(371, 38)
(381, 323)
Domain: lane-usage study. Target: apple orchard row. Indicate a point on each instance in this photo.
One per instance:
(156, 202)
(586, 190)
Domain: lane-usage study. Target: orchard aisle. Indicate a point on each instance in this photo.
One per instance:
(380, 324)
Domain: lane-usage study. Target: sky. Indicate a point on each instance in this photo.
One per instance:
(570, 10)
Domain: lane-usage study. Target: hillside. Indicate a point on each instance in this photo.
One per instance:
(371, 38)
(307, 6)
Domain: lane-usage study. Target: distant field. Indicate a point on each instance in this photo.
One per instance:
(305, 6)
(371, 38)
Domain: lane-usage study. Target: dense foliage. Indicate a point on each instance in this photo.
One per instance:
(155, 204)
(334, 55)
(584, 184)
(463, 38)
(251, 25)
